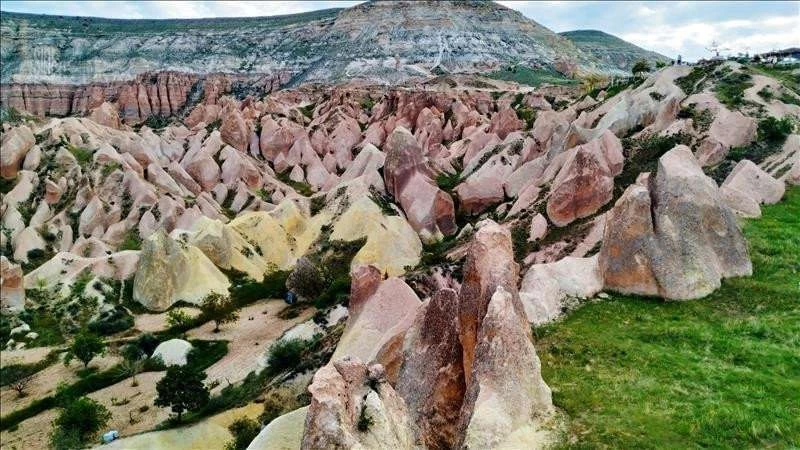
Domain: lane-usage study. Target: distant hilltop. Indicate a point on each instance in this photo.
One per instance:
(380, 41)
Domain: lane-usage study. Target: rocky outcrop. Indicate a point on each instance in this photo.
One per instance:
(344, 396)
(674, 238)
(170, 270)
(408, 178)
(12, 294)
(387, 312)
(586, 180)
(506, 396)
(431, 379)
(548, 289)
(747, 187)
(15, 144)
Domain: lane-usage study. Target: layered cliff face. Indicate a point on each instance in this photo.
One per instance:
(384, 42)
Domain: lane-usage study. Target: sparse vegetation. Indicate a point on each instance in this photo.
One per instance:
(730, 88)
(530, 77)
(276, 403)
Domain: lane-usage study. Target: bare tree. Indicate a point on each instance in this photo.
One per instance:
(21, 385)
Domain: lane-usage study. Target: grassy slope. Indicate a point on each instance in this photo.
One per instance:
(721, 372)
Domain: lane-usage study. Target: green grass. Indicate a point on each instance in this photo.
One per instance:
(782, 73)
(531, 77)
(721, 372)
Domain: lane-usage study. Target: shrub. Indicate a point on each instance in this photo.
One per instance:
(730, 88)
(244, 430)
(111, 322)
(276, 403)
(219, 308)
(639, 67)
(177, 318)
(306, 280)
(772, 129)
(132, 241)
(182, 389)
(77, 423)
(85, 347)
(142, 347)
(286, 354)
(365, 421)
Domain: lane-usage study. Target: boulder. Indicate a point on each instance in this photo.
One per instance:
(15, 144)
(283, 433)
(547, 288)
(586, 180)
(341, 394)
(408, 178)
(504, 122)
(12, 294)
(173, 352)
(748, 184)
(674, 238)
(374, 320)
(106, 114)
(171, 270)
(233, 130)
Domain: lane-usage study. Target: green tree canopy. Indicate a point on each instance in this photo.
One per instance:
(85, 347)
(182, 389)
(219, 308)
(78, 423)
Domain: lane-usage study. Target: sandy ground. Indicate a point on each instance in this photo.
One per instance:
(124, 402)
(46, 381)
(31, 434)
(773, 107)
(247, 339)
(211, 433)
(24, 356)
(151, 323)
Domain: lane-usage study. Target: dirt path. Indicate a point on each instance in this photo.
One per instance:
(24, 356)
(45, 382)
(248, 339)
(125, 401)
(211, 433)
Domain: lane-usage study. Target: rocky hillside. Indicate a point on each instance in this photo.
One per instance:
(423, 228)
(612, 50)
(381, 41)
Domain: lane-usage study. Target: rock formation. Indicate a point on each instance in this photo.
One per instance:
(674, 238)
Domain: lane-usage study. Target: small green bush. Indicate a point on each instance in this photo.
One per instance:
(244, 430)
(286, 354)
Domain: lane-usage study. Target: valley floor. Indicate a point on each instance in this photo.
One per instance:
(721, 372)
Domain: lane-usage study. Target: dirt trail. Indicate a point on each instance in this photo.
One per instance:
(45, 382)
(247, 339)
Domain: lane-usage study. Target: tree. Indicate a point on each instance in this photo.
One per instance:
(219, 308)
(182, 389)
(77, 423)
(85, 347)
(640, 67)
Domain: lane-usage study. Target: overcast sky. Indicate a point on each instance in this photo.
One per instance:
(670, 28)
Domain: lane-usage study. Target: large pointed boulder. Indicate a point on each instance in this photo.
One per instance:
(674, 238)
